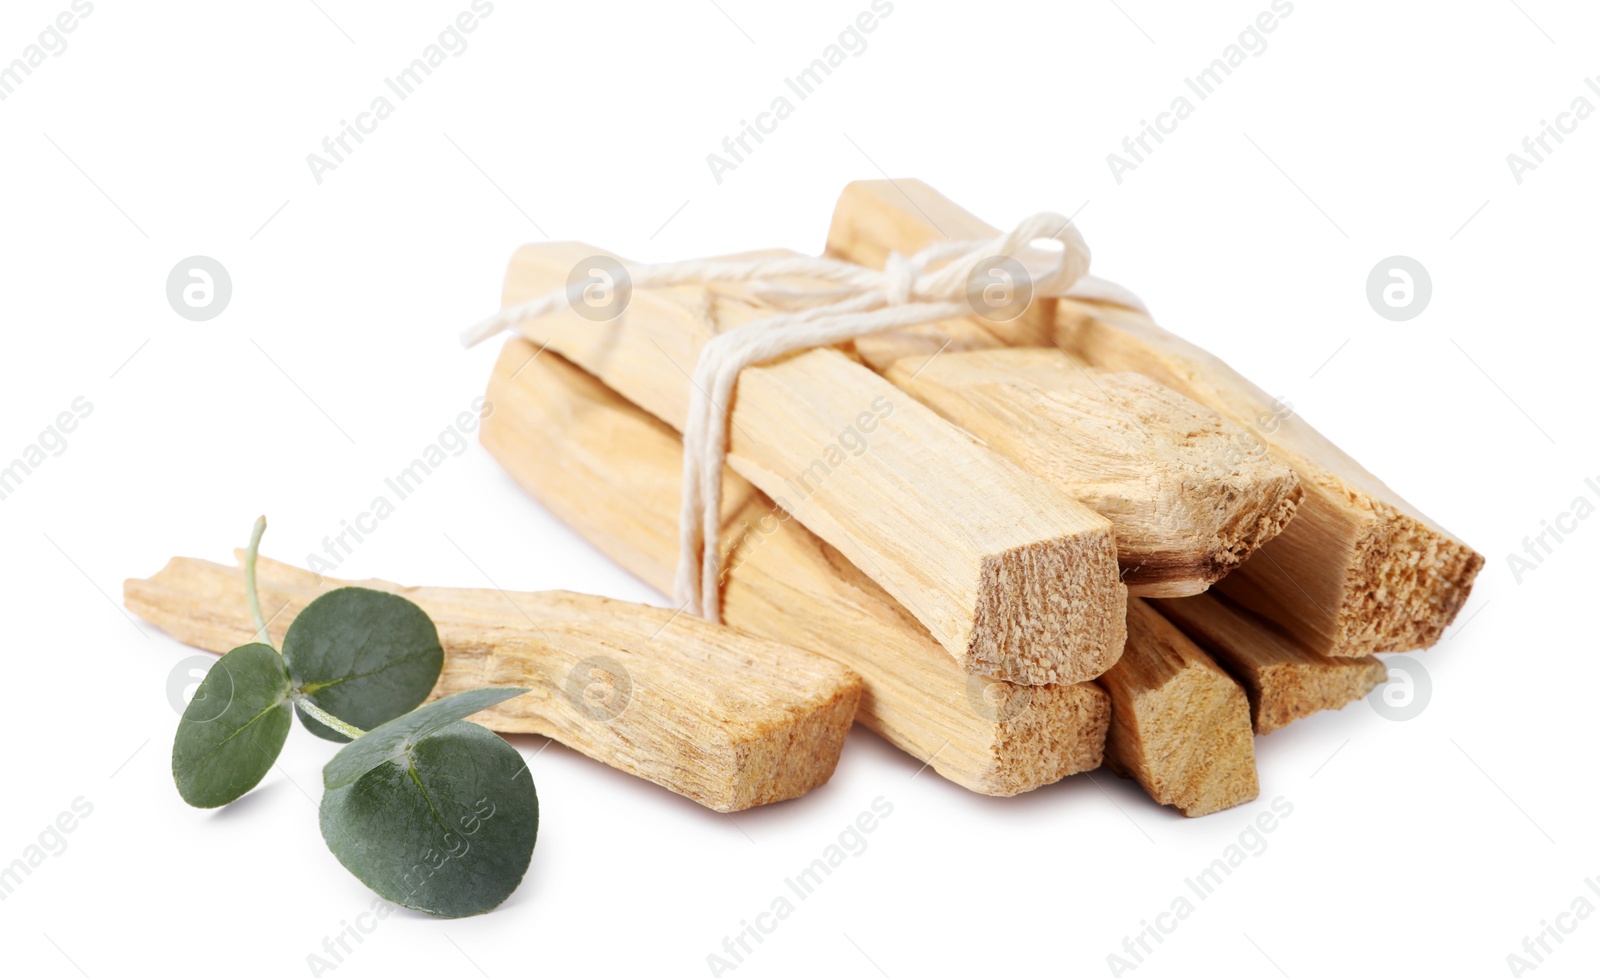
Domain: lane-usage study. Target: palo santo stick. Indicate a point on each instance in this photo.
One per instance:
(1179, 725)
(1358, 571)
(611, 472)
(1016, 579)
(1190, 494)
(717, 716)
(1284, 680)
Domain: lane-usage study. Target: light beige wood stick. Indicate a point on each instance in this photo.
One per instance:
(1190, 494)
(612, 472)
(1180, 726)
(1016, 579)
(922, 344)
(1284, 680)
(1358, 570)
(716, 715)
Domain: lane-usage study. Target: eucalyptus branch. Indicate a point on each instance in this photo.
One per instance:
(456, 836)
(250, 580)
(327, 719)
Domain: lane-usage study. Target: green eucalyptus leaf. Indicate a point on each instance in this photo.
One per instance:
(447, 827)
(234, 727)
(365, 656)
(389, 742)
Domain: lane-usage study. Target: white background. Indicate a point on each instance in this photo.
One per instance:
(1364, 130)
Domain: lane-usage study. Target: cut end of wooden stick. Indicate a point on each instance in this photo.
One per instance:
(1420, 579)
(1189, 494)
(1022, 621)
(1245, 530)
(1180, 726)
(778, 761)
(1288, 692)
(1045, 733)
(1285, 680)
(1403, 580)
(1359, 571)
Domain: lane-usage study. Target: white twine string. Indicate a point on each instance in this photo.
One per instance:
(926, 287)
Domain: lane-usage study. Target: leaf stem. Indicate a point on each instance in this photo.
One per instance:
(328, 719)
(250, 580)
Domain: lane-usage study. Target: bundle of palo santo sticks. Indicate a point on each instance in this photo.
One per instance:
(1016, 550)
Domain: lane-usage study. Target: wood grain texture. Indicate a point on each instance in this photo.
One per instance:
(718, 716)
(914, 346)
(1013, 577)
(1285, 680)
(611, 472)
(1180, 726)
(1358, 571)
(1189, 494)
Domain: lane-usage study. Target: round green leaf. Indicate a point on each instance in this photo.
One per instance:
(234, 727)
(390, 741)
(365, 656)
(448, 828)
